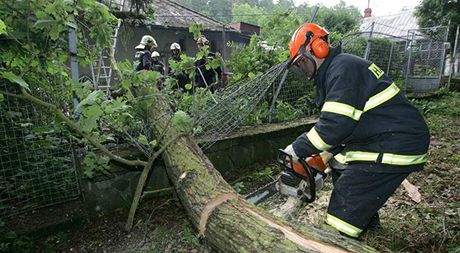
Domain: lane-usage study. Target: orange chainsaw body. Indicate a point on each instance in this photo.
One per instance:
(314, 161)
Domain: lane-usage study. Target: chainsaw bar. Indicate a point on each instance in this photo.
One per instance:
(262, 193)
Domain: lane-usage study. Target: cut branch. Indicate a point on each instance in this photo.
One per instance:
(143, 179)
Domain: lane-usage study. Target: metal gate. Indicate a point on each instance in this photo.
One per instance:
(426, 51)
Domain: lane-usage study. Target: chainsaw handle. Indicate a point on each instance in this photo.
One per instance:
(283, 159)
(311, 180)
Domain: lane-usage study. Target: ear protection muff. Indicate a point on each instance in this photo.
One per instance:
(318, 46)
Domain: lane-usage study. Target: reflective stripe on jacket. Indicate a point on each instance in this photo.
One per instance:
(362, 109)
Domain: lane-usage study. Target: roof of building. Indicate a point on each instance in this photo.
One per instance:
(171, 14)
(396, 25)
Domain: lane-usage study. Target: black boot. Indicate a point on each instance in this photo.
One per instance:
(374, 224)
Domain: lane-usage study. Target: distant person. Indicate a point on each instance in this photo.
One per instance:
(143, 58)
(181, 78)
(206, 78)
(175, 52)
(157, 65)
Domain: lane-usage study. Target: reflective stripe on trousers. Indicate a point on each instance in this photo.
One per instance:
(387, 158)
(343, 226)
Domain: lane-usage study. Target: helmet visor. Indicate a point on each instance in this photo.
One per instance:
(295, 68)
(303, 66)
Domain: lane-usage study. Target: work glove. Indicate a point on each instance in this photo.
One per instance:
(290, 150)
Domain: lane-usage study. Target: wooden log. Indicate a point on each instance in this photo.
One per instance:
(226, 221)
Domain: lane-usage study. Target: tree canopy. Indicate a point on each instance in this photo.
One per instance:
(439, 12)
(280, 19)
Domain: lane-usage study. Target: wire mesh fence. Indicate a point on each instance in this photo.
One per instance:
(275, 96)
(426, 56)
(414, 58)
(36, 166)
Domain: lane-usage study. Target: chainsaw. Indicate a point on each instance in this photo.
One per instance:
(300, 179)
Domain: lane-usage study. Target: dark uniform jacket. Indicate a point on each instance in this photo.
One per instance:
(182, 79)
(143, 60)
(363, 111)
(158, 66)
(206, 77)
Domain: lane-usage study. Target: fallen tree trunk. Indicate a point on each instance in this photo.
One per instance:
(223, 218)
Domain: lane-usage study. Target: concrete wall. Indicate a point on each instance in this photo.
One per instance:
(232, 156)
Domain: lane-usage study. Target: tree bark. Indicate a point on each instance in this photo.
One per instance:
(225, 219)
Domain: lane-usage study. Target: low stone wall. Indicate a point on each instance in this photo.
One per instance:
(252, 145)
(232, 156)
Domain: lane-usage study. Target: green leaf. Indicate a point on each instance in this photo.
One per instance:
(45, 22)
(71, 25)
(91, 115)
(153, 143)
(188, 86)
(2, 28)
(251, 75)
(2, 98)
(195, 29)
(143, 140)
(91, 98)
(10, 76)
(182, 121)
(200, 54)
(93, 164)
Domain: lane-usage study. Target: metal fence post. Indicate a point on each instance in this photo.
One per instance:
(368, 45)
(275, 95)
(409, 59)
(453, 58)
(443, 57)
(74, 63)
(73, 52)
(390, 57)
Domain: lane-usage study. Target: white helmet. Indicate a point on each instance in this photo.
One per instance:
(175, 46)
(147, 40)
(155, 54)
(202, 41)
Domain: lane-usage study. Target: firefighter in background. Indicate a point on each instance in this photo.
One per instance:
(376, 134)
(206, 78)
(175, 51)
(157, 65)
(143, 58)
(181, 77)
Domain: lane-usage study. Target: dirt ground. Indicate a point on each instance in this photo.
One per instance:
(432, 225)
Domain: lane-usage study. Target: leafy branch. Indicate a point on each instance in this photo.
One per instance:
(27, 96)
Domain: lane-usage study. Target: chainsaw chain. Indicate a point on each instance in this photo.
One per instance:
(261, 188)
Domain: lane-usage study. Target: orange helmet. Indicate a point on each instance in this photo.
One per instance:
(309, 37)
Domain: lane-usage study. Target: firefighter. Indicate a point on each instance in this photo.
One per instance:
(157, 65)
(206, 78)
(143, 58)
(181, 78)
(175, 51)
(376, 134)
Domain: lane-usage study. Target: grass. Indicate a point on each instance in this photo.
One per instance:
(173, 240)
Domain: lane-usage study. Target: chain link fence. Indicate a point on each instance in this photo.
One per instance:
(414, 58)
(36, 165)
(425, 59)
(452, 68)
